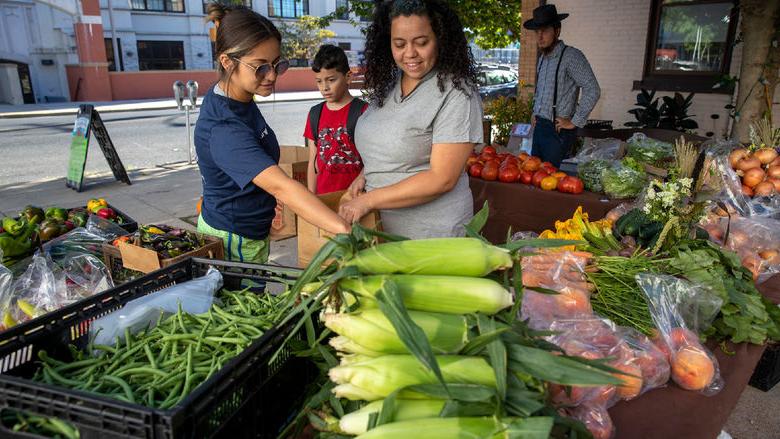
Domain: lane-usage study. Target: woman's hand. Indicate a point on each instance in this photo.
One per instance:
(358, 186)
(352, 211)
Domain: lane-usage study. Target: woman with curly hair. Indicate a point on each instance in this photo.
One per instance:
(424, 118)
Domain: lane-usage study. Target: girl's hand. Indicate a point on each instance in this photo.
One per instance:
(352, 211)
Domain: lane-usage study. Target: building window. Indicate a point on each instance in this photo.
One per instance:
(689, 44)
(112, 61)
(161, 55)
(288, 8)
(158, 5)
(342, 9)
(247, 3)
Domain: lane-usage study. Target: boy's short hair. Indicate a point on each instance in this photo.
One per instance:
(330, 57)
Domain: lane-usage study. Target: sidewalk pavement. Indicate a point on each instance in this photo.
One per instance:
(66, 108)
(164, 194)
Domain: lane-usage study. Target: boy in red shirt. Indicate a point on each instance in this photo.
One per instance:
(334, 162)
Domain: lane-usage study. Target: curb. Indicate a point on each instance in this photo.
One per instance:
(124, 108)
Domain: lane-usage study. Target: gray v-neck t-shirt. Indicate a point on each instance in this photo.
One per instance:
(395, 142)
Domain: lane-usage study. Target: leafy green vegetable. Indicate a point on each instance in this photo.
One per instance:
(649, 150)
(744, 316)
(590, 173)
(620, 181)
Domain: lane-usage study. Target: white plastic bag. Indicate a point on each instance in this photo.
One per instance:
(194, 297)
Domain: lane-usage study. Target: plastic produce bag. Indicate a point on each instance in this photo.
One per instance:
(731, 193)
(104, 228)
(756, 240)
(693, 366)
(650, 359)
(40, 289)
(78, 241)
(647, 150)
(85, 275)
(598, 149)
(194, 297)
(620, 181)
(590, 172)
(596, 419)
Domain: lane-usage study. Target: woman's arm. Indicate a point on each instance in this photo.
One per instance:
(304, 203)
(447, 165)
(311, 175)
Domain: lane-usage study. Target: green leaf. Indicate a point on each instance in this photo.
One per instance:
(530, 428)
(556, 369)
(453, 409)
(387, 413)
(479, 220)
(476, 344)
(496, 353)
(517, 283)
(392, 306)
(460, 392)
(540, 243)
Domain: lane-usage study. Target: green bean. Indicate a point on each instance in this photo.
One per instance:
(121, 383)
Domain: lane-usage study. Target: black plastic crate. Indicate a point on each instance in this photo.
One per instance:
(767, 372)
(249, 398)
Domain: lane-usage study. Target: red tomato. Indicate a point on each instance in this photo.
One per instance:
(558, 174)
(523, 156)
(490, 172)
(475, 170)
(510, 174)
(489, 149)
(549, 168)
(471, 160)
(532, 164)
(526, 177)
(538, 176)
(577, 185)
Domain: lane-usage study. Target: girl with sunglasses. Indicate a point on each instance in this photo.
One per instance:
(238, 153)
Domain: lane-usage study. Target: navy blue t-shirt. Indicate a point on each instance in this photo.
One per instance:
(234, 144)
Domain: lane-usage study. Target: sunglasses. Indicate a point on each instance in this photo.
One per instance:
(280, 66)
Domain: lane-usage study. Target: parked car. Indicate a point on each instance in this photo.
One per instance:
(495, 81)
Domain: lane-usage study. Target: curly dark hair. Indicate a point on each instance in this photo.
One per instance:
(454, 62)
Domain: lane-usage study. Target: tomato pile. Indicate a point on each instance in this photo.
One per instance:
(524, 168)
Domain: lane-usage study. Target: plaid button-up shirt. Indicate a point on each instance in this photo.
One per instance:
(575, 75)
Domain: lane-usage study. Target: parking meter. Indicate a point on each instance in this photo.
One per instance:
(192, 92)
(179, 94)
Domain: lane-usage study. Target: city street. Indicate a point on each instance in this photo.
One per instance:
(36, 148)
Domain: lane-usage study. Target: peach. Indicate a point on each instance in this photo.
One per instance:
(632, 382)
(692, 368)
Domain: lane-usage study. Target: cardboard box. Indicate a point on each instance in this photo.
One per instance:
(135, 257)
(294, 161)
(312, 238)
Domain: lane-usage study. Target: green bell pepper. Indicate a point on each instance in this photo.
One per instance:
(57, 213)
(33, 214)
(78, 217)
(15, 246)
(14, 227)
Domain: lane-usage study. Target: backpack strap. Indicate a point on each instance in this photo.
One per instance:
(355, 110)
(314, 120)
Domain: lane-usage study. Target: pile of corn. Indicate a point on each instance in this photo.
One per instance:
(440, 281)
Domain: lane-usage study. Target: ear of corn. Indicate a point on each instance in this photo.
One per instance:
(440, 428)
(445, 294)
(372, 330)
(383, 375)
(438, 256)
(405, 409)
(347, 345)
(354, 393)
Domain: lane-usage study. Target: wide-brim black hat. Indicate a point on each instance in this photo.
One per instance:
(544, 16)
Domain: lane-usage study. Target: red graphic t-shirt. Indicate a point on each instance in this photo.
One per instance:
(338, 162)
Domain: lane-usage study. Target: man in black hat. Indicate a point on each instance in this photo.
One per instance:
(561, 74)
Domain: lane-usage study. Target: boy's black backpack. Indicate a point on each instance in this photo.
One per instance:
(355, 110)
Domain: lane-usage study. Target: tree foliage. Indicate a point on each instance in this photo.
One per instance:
(303, 37)
(490, 23)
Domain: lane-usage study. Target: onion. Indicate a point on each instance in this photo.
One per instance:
(765, 155)
(768, 254)
(775, 162)
(764, 189)
(773, 171)
(753, 177)
(748, 192)
(736, 156)
(748, 163)
(714, 231)
(776, 182)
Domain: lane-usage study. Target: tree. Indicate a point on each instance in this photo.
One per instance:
(490, 23)
(760, 61)
(303, 37)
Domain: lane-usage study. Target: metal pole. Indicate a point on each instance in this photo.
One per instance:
(189, 135)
